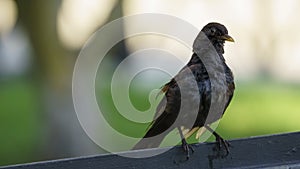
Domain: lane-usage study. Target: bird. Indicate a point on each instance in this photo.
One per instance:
(197, 95)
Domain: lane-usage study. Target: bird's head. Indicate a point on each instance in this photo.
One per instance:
(217, 34)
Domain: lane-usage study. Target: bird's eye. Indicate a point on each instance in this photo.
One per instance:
(213, 30)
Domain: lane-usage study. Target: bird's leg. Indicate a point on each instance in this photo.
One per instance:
(186, 147)
(220, 141)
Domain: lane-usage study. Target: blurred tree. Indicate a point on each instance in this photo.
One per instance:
(118, 52)
(53, 72)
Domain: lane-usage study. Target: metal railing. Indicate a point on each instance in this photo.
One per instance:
(274, 151)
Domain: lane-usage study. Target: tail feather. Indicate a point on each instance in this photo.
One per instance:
(149, 142)
(153, 138)
(159, 128)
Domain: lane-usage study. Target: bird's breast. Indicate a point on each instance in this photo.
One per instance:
(215, 68)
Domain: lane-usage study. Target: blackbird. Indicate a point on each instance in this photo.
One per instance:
(198, 95)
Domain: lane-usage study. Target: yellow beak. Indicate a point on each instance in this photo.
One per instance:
(227, 38)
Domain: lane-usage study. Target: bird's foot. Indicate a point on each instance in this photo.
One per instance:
(186, 148)
(222, 143)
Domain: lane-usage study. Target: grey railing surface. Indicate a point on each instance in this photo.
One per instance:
(274, 151)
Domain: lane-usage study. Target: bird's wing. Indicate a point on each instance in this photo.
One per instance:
(185, 75)
(162, 104)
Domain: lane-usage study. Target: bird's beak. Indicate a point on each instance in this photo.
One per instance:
(227, 38)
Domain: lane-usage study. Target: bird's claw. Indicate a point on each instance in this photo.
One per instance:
(220, 143)
(186, 148)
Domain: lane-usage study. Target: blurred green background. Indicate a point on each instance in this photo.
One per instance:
(40, 41)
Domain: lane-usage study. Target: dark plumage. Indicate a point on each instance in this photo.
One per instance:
(198, 95)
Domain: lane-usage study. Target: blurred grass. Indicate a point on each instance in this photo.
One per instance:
(262, 108)
(20, 123)
(258, 108)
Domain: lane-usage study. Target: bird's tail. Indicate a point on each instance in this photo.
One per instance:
(152, 139)
(158, 129)
(149, 142)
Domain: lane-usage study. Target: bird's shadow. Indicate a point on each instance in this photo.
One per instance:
(217, 154)
(180, 157)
